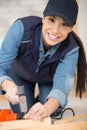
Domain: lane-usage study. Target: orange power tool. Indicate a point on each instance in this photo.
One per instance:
(8, 115)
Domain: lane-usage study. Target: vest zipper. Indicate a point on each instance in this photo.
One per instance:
(37, 69)
(38, 66)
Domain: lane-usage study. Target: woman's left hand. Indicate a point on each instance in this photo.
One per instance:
(37, 112)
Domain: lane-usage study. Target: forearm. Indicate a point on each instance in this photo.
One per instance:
(51, 105)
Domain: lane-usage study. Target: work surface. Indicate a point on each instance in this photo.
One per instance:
(79, 106)
(44, 125)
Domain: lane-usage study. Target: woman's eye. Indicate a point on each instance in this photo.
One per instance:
(65, 25)
(51, 19)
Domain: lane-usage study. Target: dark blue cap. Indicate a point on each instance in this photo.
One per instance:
(66, 9)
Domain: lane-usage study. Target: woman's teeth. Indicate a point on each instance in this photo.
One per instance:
(53, 37)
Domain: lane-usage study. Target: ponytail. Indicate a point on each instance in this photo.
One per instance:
(81, 68)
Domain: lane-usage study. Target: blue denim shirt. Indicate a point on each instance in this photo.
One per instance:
(63, 77)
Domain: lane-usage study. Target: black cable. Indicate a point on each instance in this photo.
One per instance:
(62, 113)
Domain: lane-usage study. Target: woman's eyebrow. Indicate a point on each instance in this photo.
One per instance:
(53, 16)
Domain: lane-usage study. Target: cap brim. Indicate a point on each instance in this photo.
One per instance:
(66, 19)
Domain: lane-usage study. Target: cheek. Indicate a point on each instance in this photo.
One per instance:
(64, 35)
(44, 30)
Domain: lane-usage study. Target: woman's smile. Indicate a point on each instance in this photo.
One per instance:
(52, 37)
(54, 30)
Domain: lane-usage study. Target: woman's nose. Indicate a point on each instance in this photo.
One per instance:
(56, 28)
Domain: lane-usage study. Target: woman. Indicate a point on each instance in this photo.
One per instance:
(43, 51)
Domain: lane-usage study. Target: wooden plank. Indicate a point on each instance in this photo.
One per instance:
(21, 124)
(41, 125)
(69, 126)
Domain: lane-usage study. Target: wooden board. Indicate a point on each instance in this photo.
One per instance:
(45, 125)
(69, 126)
(21, 124)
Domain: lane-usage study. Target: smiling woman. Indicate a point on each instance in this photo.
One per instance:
(43, 51)
(54, 31)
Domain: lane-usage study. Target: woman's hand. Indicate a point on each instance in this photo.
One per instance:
(37, 112)
(11, 91)
(40, 111)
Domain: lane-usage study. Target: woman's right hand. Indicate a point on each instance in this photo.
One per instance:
(11, 91)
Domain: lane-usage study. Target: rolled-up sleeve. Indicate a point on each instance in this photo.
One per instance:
(63, 78)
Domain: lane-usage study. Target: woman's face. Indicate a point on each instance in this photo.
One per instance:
(54, 30)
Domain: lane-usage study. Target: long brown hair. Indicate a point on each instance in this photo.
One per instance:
(81, 68)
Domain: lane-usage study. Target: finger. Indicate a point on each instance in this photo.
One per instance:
(29, 115)
(16, 98)
(6, 96)
(12, 99)
(38, 117)
(40, 114)
(32, 111)
(36, 110)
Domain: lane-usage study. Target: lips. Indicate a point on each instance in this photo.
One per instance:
(52, 37)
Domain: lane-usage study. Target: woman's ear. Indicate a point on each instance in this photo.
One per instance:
(71, 29)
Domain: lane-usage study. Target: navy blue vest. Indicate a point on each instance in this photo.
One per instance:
(26, 63)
